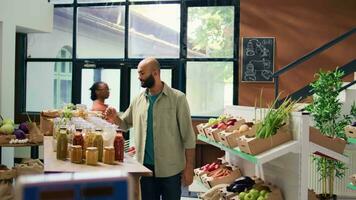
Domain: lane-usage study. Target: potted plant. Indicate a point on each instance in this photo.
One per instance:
(326, 112)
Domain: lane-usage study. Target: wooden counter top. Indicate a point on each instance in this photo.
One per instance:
(51, 164)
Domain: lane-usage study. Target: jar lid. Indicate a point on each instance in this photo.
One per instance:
(76, 147)
(92, 148)
(109, 148)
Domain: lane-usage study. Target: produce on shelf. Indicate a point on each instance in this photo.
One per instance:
(254, 194)
(20, 134)
(7, 126)
(218, 173)
(18, 141)
(275, 118)
(210, 167)
(228, 126)
(24, 127)
(212, 122)
(241, 184)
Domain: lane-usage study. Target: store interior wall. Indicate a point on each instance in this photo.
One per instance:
(17, 16)
(299, 27)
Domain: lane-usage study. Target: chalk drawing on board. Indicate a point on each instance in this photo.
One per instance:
(250, 50)
(258, 59)
(267, 74)
(260, 64)
(250, 73)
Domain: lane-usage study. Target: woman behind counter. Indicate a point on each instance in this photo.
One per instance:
(99, 92)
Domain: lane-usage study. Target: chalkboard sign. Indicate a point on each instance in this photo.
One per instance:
(257, 59)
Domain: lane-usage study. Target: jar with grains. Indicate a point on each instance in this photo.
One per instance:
(76, 154)
(109, 155)
(92, 156)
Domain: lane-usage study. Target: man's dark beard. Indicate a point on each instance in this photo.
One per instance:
(148, 83)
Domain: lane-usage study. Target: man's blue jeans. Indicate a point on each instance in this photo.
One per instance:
(153, 188)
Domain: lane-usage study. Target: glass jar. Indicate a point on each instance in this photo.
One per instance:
(76, 154)
(92, 156)
(119, 147)
(88, 139)
(62, 145)
(78, 139)
(109, 155)
(98, 143)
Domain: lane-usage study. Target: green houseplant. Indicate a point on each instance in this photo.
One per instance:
(326, 112)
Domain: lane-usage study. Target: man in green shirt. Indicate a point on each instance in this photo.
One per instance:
(164, 135)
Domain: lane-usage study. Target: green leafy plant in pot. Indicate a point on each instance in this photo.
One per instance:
(326, 112)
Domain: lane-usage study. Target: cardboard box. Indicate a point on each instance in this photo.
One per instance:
(229, 139)
(255, 145)
(201, 128)
(350, 131)
(223, 180)
(214, 134)
(335, 144)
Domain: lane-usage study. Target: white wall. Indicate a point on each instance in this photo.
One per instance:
(17, 16)
(27, 15)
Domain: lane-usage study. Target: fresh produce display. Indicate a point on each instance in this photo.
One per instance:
(213, 121)
(18, 141)
(254, 194)
(224, 125)
(241, 184)
(7, 126)
(219, 173)
(274, 119)
(210, 167)
(20, 134)
(24, 127)
(7, 129)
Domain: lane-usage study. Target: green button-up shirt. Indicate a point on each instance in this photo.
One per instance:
(172, 128)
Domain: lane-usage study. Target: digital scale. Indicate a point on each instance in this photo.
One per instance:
(98, 185)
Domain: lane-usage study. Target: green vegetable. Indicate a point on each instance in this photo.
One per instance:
(275, 118)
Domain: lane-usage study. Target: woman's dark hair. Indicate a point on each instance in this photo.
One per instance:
(93, 88)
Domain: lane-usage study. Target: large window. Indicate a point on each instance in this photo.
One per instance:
(104, 40)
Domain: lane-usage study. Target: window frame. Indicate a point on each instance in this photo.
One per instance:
(125, 64)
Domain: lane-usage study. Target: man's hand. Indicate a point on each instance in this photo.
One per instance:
(187, 175)
(111, 115)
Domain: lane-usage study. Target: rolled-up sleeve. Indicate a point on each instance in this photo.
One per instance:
(126, 119)
(185, 123)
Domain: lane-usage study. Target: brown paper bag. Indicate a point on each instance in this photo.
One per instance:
(31, 166)
(36, 136)
(46, 124)
(6, 178)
